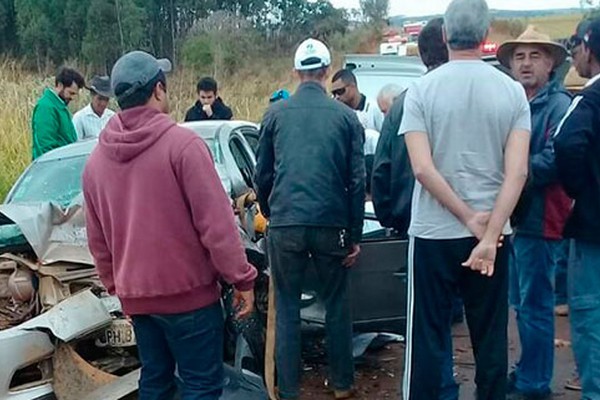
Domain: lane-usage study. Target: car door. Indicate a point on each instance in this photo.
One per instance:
(378, 285)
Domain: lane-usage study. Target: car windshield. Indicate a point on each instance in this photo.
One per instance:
(370, 84)
(57, 180)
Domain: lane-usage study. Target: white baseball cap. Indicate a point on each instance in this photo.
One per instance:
(311, 54)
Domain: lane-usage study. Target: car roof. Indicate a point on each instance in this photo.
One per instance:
(205, 129)
(76, 149)
(374, 63)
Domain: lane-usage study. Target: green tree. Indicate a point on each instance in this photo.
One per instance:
(375, 11)
(75, 18)
(113, 28)
(101, 43)
(35, 31)
(8, 26)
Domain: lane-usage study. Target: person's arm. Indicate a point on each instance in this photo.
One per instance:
(227, 112)
(265, 164)
(382, 176)
(572, 146)
(97, 242)
(45, 126)
(356, 184)
(419, 151)
(542, 167)
(212, 215)
(78, 124)
(516, 163)
(516, 157)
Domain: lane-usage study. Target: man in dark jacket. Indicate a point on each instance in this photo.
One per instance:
(310, 179)
(392, 177)
(209, 104)
(538, 245)
(577, 145)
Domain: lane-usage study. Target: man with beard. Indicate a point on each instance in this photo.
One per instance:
(52, 121)
(538, 244)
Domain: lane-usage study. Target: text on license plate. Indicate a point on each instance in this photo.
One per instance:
(118, 334)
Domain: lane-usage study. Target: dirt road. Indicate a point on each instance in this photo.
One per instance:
(379, 376)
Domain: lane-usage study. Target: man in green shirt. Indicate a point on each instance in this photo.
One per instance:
(52, 121)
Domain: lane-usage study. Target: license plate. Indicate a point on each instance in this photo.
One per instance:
(118, 334)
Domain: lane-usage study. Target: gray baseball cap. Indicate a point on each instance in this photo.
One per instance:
(134, 70)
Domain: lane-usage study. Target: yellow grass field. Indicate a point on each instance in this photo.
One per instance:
(246, 92)
(557, 27)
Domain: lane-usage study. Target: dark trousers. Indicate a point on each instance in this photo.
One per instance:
(435, 274)
(190, 342)
(290, 251)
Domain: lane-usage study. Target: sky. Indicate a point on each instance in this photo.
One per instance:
(427, 7)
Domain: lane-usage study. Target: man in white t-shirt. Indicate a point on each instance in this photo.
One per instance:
(467, 128)
(90, 120)
(344, 88)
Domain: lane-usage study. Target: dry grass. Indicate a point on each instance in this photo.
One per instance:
(558, 27)
(247, 93)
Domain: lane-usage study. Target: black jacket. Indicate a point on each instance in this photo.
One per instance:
(577, 151)
(393, 181)
(310, 163)
(220, 112)
(543, 207)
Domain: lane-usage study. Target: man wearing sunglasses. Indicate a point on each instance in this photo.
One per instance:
(577, 146)
(344, 88)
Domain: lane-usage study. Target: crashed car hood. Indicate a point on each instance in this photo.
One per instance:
(54, 233)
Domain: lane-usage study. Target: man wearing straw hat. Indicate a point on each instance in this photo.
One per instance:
(541, 215)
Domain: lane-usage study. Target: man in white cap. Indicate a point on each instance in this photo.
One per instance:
(310, 179)
(539, 248)
(164, 266)
(90, 120)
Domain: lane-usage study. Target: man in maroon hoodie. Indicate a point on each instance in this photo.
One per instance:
(162, 233)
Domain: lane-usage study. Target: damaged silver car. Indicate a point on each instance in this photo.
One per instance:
(61, 335)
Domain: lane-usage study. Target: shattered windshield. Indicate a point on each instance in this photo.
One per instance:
(57, 180)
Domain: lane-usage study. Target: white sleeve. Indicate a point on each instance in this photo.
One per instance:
(413, 119)
(78, 124)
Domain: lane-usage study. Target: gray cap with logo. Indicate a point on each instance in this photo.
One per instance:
(135, 70)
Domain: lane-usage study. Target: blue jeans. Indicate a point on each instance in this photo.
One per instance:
(532, 295)
(190, 342)
(584, 314)
(561, 261)
(291, 249)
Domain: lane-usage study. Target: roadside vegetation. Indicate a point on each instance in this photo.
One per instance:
(249, 59)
